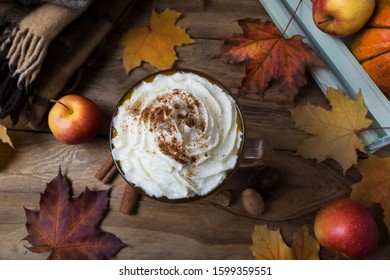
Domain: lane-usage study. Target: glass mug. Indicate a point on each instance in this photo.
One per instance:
(249, 152)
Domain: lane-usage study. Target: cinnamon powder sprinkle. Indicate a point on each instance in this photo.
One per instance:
(163, 113)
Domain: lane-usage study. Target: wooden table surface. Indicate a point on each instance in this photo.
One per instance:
(158, 230)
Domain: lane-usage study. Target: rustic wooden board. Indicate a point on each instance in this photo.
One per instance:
(197, 230)
(203, 225)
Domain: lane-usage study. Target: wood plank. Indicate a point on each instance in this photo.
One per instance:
(218, 17)
(197, 230)
(109, 78)
(306, 187)
(105, 81)
(160, 230)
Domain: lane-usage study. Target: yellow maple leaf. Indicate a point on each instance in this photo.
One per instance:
(305, 246)
(334, 132)
(374, 186)
(4, 136)
(154, 43)
(269, 245)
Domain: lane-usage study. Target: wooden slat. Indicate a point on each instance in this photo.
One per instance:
(197, 230)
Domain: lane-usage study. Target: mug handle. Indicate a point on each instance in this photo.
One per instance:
(256, 151)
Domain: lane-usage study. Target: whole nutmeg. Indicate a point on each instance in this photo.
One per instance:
(224, 198)
(252, 202)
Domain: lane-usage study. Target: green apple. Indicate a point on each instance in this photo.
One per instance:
(74, 119)
(342, 17)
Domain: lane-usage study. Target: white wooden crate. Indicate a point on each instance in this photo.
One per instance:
(344, 70)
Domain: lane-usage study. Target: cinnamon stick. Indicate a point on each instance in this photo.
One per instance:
(107, 172)
(129, 200)
(110, 175)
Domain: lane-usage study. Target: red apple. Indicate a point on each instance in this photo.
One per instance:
(342, 17)
(346, 227)
(74, 119)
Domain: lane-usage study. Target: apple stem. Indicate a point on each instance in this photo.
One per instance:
(325, 20)
(57, 101)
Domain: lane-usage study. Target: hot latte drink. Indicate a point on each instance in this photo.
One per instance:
(177, 135)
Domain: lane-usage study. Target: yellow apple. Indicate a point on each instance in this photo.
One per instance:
(342, 17)
(74, 119)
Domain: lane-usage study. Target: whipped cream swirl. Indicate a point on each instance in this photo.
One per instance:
(177, 136)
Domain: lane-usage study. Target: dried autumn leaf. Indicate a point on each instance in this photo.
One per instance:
(374, 186)
(268, 56)
(154, 43)
(4, 136)
(269, 245)
(68, 227)
(335, 132)
(304, 246)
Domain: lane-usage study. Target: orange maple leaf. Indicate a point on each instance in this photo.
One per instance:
(4, 136)
(374, 186)
(154, 43)
(269, 245)
(335, 132)
(268, 56)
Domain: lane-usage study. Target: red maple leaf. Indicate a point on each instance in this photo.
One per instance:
(68, 227)
(268, 56)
